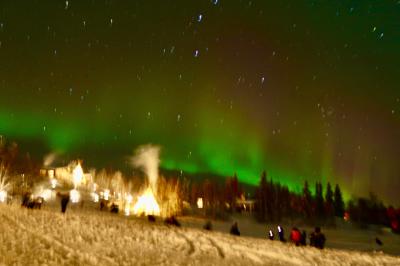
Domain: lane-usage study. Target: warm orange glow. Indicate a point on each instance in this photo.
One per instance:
(3, 196)
(200, 203)
(77, 175)
(146, 204)
(74, 195)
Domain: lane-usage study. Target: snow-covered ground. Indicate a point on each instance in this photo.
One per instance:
(90, 237)
(345, 236)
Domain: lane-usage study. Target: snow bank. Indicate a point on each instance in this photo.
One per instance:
(83, 237)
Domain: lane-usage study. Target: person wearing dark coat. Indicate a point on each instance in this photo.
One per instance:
(317, 239)
(208, 226)
(114, 208)
(64, 202)
(102, 204)
(303, 240)
(172, 221)
(281, 234)
(25, 199)
(151, 218)
(235, 229)
(271, 235)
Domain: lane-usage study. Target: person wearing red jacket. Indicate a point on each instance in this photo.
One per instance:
(295, 236)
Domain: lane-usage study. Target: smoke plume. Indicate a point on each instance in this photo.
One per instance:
(49, 159)
(147, 158)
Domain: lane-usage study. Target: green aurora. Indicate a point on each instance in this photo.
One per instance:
(306, 90)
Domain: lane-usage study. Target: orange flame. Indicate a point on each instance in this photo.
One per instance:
(77, 175)
(146, 204)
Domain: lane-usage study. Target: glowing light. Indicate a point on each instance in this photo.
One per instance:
(146, 204)
(3, 196)
(51, 173)
(128, 199)
(46, 194)
(53, 182)
(127, 210)
(77, 175)
(95, 197)
(4, 183)
(200, 203)
(106, 194)
(74, 195)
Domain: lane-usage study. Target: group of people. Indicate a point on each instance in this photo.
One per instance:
(31, 202)
(317, 238)
(299, 238)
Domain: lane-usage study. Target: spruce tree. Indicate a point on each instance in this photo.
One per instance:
(329, 210)
(307, 200)
(338, 202)
(319, 200)
(261, 197)
(271, 201)
(329, 194)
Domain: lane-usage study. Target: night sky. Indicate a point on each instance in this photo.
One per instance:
(301, 89)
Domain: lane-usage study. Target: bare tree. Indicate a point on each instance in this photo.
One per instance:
(4, 179)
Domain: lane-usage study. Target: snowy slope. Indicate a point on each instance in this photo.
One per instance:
(83, 237)
(345, 236)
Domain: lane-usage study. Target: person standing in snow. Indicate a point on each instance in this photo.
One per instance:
(172, 221)
(271, 235)
(208, 226)
(281, 234)
(64, 202)
(25, 199)
(303, 240)
(295, 236)
(317, 239)
(235, 229)
(378, 241)
(102, 204)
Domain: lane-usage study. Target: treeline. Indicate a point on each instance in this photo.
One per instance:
(367, 211)
(16, 168)
(219, 199)
(275, 202)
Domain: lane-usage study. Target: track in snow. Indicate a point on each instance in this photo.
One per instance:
(82, 237)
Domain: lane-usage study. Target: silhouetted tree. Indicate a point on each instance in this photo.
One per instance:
(319, 201)
(307, 201)
(278, 202)
(329, 209)
(212, 197)
(338, 202)
(271, 201)
(261, 198)
(232, 191)
(284, 202)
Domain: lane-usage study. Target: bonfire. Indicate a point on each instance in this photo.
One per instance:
(4, 183)
(146, 204)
